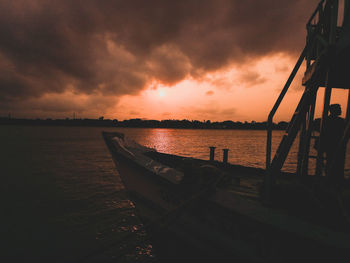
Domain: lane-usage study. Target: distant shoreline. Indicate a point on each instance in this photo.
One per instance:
(139, 123)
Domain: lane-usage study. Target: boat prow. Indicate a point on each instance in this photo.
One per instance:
(215, 209)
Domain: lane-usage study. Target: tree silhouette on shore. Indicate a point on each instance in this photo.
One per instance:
(143, 123)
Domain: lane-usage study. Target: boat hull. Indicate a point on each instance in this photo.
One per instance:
(214, 222)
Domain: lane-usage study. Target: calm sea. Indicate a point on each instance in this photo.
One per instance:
(246, 147)
(62, 198)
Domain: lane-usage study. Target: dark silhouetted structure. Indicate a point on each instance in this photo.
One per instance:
(333, 132)
(327, 59)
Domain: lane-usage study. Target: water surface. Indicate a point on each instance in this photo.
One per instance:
(62, 198)
(246, 147)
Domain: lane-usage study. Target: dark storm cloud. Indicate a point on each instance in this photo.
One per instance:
(251, 78)
(116, 47)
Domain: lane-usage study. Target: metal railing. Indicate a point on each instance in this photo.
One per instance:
(277, 104)
(318, 10)
(304, 54)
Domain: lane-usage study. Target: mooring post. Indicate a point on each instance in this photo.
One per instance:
(212, 153)
(225, 155)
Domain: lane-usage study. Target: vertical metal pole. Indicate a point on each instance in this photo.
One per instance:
(212, 153)
(225, 155)
(333, 21)
(346, 136)
(269, 179)
(347, 116)
(346, 9)
(268, 146)
(310, 120)
(328, 90)
(347, 119)
(301, 151)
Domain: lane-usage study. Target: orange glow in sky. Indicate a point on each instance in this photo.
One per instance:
(244, 93)
(239, 94)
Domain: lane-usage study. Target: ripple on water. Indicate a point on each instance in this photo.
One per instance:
(68, 190)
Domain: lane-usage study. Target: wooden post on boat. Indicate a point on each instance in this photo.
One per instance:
(212, 153)
(225, 155)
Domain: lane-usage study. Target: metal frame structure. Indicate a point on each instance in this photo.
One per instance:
(320, 53)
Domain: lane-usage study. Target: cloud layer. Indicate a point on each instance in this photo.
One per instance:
(117, 47)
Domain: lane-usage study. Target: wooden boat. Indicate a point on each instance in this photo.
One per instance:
(202, 210)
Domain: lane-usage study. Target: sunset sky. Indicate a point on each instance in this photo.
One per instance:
(154, 59)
